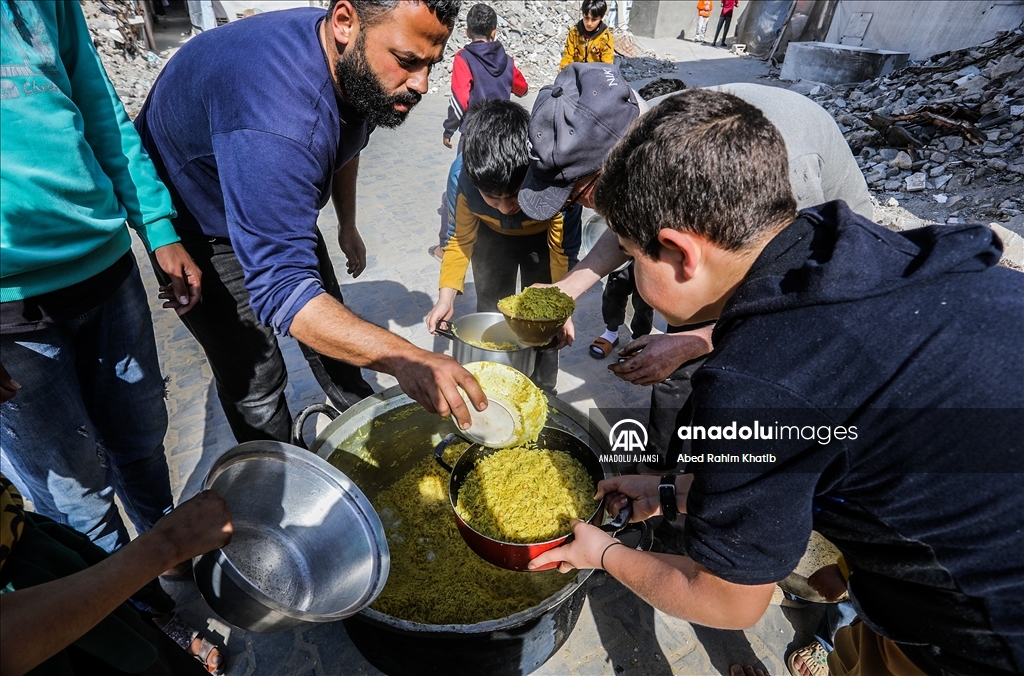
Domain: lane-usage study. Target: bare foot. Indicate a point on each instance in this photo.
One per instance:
(207, 653)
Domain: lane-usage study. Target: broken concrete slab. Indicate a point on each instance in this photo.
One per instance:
(837, 64)
(916, 182)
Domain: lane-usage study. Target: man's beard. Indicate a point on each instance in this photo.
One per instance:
(365, 93)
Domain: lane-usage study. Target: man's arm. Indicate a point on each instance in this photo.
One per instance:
(343, 195)
(602, 260)
(661, 355)
(673, 584)
(40, 621)
(118, 149)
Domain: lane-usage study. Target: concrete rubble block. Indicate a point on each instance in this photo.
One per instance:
(1016, 168)
(975, 87)
(996, 163)
(1017, 111)
(937, 171)
(902, 161)
(953, 143)
(969, 71)
(888, 153)
(1008, 65)
(837, 64)
(992, 150)
(937, 157)
(875, 176)
(941, 181)
(916, 182)
(893, 185)
(892, 202)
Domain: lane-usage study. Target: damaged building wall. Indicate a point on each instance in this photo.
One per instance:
(921, 27)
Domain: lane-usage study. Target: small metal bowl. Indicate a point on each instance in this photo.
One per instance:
(307, 544)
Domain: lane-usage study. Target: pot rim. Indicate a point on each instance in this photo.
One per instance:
(453, 323)
(486, 626)
(279, 451)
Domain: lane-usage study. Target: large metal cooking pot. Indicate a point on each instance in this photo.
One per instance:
(514, 556)
(307, 544)
(375, 443)
(486, 327)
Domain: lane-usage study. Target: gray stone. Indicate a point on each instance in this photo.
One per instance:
(840, 103)
(938, 157)
(902, 161)
(953, 143)
(997, 164)
(892, 172)
(916, 182)
(1016, 168)
(975, 87)
(937, 171)
(874, 176)
(1016, 111)
(1008, 65)
(889, 153)
(893, 185)
(992, 150)
(970, 71)
(1017, 127)
(941, 181)
(892, 202)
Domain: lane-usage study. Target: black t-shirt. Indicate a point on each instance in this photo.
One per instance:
(45, 310)
(888, 370)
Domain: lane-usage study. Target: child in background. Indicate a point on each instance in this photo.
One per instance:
(704, 8)
(724, 19)
(589, 40)
(491, 231)
(481, 70)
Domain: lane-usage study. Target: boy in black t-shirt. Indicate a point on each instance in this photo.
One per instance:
(864, 383)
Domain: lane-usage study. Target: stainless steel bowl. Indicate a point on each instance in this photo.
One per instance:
(487, 327)
(307, 547)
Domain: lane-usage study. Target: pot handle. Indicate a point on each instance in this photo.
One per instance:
(300, 420)
(445, 331)
(445, 443)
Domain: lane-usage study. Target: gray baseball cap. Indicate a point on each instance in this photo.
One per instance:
(575, 122)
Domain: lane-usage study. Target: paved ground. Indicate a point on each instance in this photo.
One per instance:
(402, 177)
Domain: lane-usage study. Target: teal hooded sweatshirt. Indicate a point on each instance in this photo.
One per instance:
(73, 172)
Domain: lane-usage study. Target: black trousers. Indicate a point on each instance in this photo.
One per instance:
(723, 20)
(497, 261)
(243, 353)
(616, 294)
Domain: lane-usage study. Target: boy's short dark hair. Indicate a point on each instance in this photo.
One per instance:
(371, 12)
(660, 87)
(481, 21)
(701, 161)
(496, 153)
(594, 8)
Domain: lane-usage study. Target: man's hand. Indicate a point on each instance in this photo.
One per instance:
(589, 542)
(434, 381)
(8, 385)
(641, 489)
(566, 335)
(196, 526)
(352, 246)
(186, 287)
(662, 354)
(447, 141)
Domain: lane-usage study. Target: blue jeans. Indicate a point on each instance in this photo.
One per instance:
(837, 616)
(89, 419)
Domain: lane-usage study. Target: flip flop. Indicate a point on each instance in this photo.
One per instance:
(185, 636)
(814, 658)
(437, 251)
(601, 348)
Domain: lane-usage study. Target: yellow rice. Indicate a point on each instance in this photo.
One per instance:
(525, 495)
(512, 387)
(435, 577)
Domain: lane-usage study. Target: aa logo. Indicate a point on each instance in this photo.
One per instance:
(628, 436)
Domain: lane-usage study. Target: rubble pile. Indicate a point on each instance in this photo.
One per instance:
(118, 37)
(533, 33)
(948, 130)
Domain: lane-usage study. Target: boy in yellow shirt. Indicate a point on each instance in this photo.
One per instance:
(589, 40)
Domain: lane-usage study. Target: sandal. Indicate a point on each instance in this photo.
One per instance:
(601, 348)
(814, 658)
(199, 648)
(437, 251)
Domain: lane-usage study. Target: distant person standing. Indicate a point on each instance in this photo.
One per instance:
(589, 40)
(724, 19)
(704, 8)
(481, 70)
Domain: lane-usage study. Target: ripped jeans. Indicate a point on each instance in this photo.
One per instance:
(89, 419)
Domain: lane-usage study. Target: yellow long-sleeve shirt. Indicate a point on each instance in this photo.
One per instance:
(579, 49)
(467, 223)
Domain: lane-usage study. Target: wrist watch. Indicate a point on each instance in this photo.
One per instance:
(667, 492)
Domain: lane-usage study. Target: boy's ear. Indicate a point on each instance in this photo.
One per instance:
(684, 250)
(494, 34)
(344, 23)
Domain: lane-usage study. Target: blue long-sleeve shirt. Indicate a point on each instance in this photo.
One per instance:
(246, 127)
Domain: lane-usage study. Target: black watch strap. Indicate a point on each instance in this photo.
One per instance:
(667, 493)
